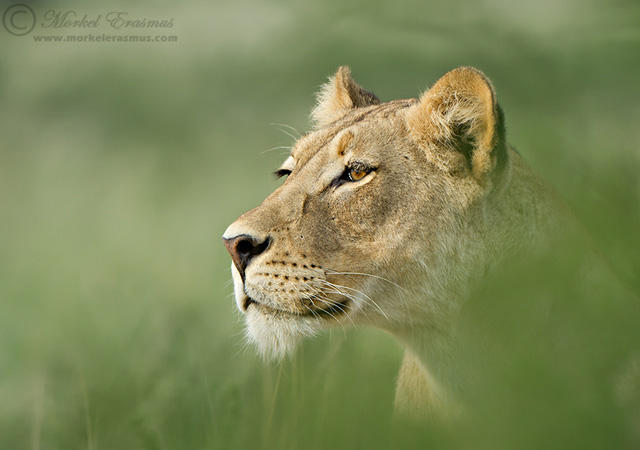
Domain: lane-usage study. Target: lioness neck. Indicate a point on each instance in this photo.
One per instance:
(521, 211)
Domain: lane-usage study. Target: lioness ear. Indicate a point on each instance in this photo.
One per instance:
(338, 97)
(460, 123)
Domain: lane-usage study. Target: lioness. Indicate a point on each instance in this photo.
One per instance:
(390, 213)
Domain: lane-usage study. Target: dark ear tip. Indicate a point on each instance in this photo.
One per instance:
(470, 74)
(470, 69)
(340, 95)
(344, 70)
(360, 97)
(343, 76)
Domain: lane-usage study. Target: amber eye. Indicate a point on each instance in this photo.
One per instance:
(354, 172)
(355, 175)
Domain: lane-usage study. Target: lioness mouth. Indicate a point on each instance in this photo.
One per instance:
(332, 310)
(247, 302)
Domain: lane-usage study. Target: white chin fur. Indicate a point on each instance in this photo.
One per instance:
(274, 336)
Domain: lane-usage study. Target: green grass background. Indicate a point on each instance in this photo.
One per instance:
(122, 164)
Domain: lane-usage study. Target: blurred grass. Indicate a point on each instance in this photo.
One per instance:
(122, 164)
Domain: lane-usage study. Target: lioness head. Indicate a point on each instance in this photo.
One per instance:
(382, 218)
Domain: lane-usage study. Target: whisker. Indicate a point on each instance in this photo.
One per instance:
(280, 147)
(337, 305)
(313, 313)
(357, 292)
(243, 349)
(324, 311)
(335, 272)
(286, 132)
(295, 130)
(318, 295)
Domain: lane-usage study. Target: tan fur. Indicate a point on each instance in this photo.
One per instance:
(418, 394)
(399, 249)
(338, 97)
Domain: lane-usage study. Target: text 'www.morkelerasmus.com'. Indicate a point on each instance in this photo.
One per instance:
(104, 38)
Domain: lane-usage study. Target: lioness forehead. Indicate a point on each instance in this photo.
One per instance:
(310, 144)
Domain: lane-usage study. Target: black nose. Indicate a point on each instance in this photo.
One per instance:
(243, 248)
